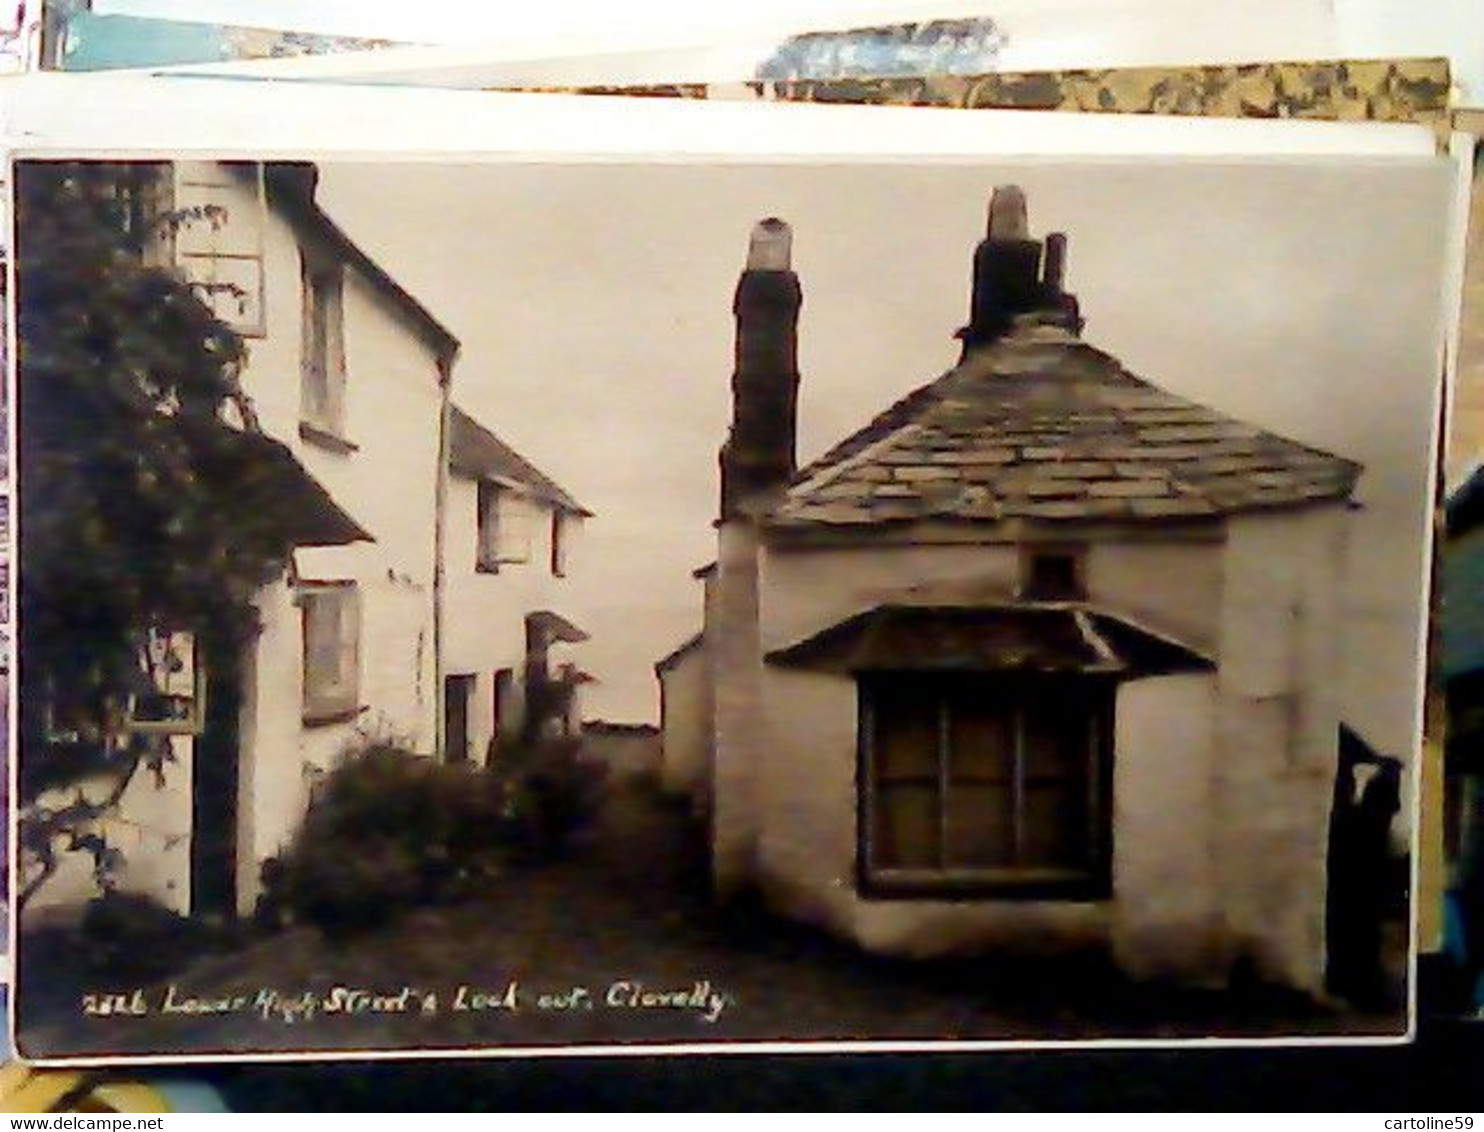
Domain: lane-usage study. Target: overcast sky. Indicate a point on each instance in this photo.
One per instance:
(594, 306)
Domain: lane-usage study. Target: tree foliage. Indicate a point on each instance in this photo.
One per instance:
(135, 487)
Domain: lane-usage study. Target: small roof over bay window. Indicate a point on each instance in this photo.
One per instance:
(1029, 637)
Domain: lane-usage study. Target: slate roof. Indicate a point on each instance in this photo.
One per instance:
(263, 476)
(476, 452)
(1042, 426)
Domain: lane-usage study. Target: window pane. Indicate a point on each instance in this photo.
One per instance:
(982, 739)
(905, 833)
(488, 506)
(1053, 576)
(323, 362)
(348, 631)
(981, 833)
(1055, 830)
(322, 628)
(1058, 737)
(331, 650)
(1005, 787)
(513, 524)
(906, 734)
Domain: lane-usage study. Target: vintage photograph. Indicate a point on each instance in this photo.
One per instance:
(511, 605)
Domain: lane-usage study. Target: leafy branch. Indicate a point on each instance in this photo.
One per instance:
(131, 478)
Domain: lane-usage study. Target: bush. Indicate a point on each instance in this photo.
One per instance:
(553, 791)
(388, 831)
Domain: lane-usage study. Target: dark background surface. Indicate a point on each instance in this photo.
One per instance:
(1442, 1072)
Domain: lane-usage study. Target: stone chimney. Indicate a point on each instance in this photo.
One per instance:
(758, 456)
(1009, 276)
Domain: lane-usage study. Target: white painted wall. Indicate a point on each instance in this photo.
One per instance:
(1167, 913)
(741, 744)
(810, 590)
(151, 826)
(388, 484)
(1221, 780)
(685, 725)
(1171, 585)
(1278, 715)
(688, 735)
(484, 619)
(392, 413)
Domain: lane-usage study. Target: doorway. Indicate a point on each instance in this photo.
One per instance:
(214, 788)
(457, 692)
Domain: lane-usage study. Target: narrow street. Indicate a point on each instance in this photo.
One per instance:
(618, 944)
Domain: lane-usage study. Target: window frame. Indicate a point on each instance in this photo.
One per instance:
(1031, 553)
(322, 355)
(1092, 882)
(317, 707)
(195, 246)
(558, 543)
(503, 537)
(192, 721)
(502, 704)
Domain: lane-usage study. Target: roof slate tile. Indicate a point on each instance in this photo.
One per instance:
(1040, 425)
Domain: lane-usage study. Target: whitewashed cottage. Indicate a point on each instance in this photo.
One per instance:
(349, 374)
(508, 548)
(1042, 658)
(347, 385)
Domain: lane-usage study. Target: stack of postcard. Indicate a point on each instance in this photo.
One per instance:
(902, 538)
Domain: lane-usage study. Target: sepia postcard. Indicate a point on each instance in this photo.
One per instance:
(635, 606)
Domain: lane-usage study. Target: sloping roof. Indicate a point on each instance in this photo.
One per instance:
(1041, 637)
(476, 452)
(262, 476)
(679, 652)
(555, 627)
(1042, 426)
(291, 186)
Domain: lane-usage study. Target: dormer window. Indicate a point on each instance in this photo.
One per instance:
(1052, 573)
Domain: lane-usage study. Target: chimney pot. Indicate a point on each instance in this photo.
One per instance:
(758, 456)
(1010, 276)
(771, 247)
(1055, 270)
(1007, 215)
